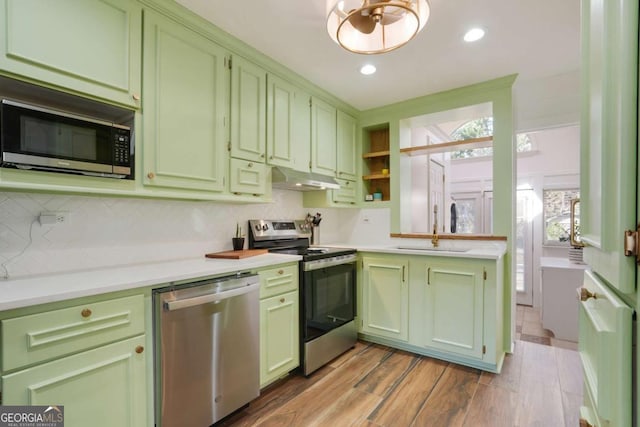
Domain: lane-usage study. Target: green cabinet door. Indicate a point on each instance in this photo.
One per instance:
(347, 194)
(453, 307)
(605, 346)
(608, 208)
(279, 336)
(608, 137)
(323, 137)
(346, 146)
(281, 97)
(302, 131)
(248, 110)
(248, 177)
(385, 297)
(185, 103)
(85, 46)
(104, 387)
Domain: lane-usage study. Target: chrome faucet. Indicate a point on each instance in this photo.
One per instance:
(434, 237)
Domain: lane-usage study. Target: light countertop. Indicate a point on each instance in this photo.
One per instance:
(561, 263)
(456, 250)
(23, 292)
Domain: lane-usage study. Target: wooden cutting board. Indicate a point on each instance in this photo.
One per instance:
(246, 253)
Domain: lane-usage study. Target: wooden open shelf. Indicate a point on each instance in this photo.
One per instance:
(385, 153)
(485, 141)
(376, 159)
(375, 176)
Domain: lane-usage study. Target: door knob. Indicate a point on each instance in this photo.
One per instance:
(584, 294)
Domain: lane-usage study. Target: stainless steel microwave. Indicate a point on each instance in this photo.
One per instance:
(35, 137)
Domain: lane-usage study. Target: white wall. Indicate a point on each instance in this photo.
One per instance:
(102, 231)
(547, 102)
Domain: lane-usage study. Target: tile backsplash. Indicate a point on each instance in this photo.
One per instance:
(102, 231)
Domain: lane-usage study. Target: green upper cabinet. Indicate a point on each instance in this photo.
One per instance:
(346, 146)
(288, 125)
(248, 110)
(608, 137)
(323, 137)
(185, 89)
(247, 177)
(85, 46)
(281, 97)
(302, 131)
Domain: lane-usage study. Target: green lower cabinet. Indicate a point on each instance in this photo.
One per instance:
(105, 386)
(279, 336)
(444, 307)
(453, 307)
(385, 297)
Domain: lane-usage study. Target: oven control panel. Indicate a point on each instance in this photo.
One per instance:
(267, 229)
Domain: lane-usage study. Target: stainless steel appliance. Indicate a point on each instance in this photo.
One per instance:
(38, 137)
(327, 289)
(207, 355)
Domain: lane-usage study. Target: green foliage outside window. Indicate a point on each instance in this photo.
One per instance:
(479, 128)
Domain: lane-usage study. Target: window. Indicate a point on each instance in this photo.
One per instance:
(467, 213)
(481, 127)
(557, 215)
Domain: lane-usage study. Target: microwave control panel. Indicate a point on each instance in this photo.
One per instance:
(121, 149)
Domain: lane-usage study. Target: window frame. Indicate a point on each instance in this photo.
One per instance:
(556, 243)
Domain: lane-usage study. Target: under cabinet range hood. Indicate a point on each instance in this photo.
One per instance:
(291, 179)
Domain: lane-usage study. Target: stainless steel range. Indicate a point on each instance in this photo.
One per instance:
(327, 289)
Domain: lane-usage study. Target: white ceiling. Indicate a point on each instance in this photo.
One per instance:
(534, 38)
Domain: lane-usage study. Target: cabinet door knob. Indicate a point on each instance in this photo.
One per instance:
(249, 165)
(85, 313)
(135, 97)
(270, 157)
(346, 183)
(584, 294)
(281, 300)
(139, 349)
(262, 156)
(151, 175)
(280, 271)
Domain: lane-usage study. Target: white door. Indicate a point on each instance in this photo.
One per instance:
(524, 247)
(436, 195)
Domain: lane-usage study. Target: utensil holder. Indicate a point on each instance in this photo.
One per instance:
(238, 243)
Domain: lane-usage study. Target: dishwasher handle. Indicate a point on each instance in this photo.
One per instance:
(210, 298)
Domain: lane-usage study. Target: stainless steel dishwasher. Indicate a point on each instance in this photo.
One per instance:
(207, 355)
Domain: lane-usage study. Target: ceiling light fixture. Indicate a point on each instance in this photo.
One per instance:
(474, 35)
(368, 69)
(375, 26)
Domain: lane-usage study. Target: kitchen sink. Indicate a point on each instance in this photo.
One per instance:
(432, 249)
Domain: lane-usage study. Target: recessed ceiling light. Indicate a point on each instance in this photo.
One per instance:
(368, 69)
(474, 34)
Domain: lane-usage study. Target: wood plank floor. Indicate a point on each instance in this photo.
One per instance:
(374, 386)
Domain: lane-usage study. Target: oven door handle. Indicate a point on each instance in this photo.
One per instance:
(328, 262)
(209, 298)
